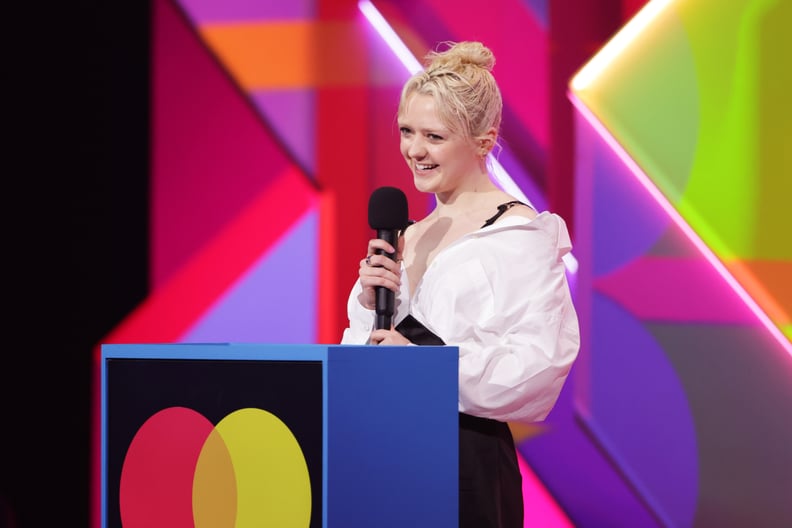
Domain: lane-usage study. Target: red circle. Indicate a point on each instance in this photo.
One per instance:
(150, 497)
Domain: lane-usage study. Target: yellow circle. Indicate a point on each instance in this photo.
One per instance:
(271, 480)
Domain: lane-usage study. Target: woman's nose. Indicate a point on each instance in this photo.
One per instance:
(416, 149)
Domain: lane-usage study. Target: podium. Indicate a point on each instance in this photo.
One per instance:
(303, 436)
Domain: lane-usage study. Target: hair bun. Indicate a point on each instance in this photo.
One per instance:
(459, 54)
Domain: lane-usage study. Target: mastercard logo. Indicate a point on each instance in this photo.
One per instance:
(180, 470)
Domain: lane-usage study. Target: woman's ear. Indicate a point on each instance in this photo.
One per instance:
(486, 142)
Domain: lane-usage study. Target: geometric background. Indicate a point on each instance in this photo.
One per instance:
(271, 124)
(169, 190)
(687, 267)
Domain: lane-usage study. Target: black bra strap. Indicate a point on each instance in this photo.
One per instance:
(502, 208)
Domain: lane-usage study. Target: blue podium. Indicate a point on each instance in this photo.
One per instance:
(303, 436)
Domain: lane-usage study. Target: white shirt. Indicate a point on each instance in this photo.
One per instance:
(500, 294)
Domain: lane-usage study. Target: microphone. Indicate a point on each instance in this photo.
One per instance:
(387, 214)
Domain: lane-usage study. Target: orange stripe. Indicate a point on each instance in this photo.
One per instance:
(769, 283)
(290, 54)
(525, 431)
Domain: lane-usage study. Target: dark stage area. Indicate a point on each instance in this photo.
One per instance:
(76, 238)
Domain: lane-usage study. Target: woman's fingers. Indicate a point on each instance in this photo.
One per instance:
(373, 275)
(380, 262)
(377, 245)
(378, 269)
(387, 337)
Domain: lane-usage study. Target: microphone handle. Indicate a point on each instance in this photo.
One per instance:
(385, 298)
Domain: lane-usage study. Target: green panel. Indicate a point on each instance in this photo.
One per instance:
(700, 100)
(647, 99)
(731, 174)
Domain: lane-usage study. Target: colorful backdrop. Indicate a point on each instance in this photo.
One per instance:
(667, 151)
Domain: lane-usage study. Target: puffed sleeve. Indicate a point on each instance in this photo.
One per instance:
(505, 302)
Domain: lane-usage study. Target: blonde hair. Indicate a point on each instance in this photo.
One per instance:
(461, 82)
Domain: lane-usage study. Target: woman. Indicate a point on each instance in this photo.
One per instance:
(482, 272)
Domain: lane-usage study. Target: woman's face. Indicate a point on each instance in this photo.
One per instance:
(440, 160)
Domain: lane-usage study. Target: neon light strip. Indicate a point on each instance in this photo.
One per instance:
(412, 65)
(688, 231)
(390, 37)
(594, 68)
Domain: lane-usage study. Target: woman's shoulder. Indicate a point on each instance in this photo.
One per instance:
(512, 207)
(544, 228)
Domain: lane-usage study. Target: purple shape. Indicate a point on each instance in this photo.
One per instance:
(275, 301)
(212, 11)
(640, 413)
(627, 221)
(291, 116)
(579, 475)
(539, 10)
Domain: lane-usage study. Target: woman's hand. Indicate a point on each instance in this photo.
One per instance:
(388, 337)
(379, 270)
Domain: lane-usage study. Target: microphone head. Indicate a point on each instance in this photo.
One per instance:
(388, 209)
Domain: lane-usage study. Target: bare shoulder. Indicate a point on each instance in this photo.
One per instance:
(520, 209)
(526, 211)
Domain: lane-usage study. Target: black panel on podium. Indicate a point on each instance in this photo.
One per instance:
(303, 436)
